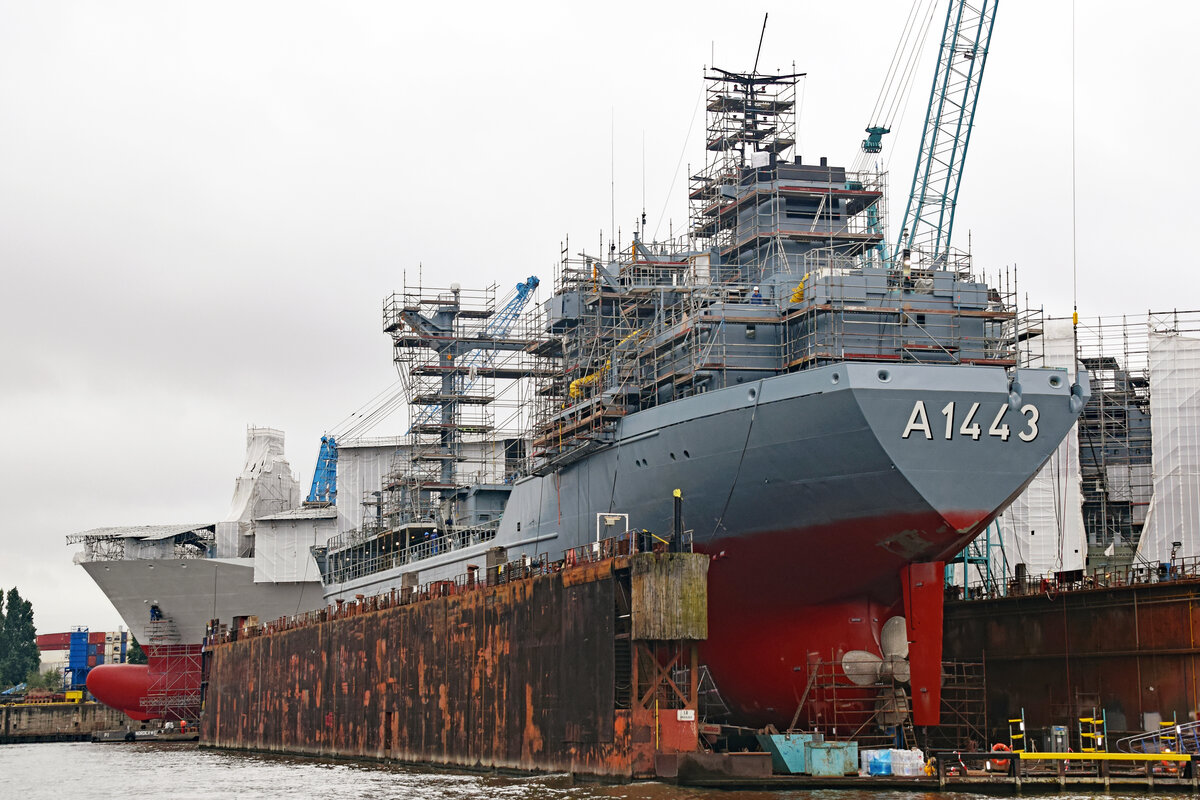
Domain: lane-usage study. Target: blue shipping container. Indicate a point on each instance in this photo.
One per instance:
(78, 652)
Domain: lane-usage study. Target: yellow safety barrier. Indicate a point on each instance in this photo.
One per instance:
(1104, 756)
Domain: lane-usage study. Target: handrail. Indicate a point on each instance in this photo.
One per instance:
(1186, 736)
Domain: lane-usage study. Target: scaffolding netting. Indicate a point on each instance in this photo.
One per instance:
(266, 486)
(1043, 528)
(1173, 522)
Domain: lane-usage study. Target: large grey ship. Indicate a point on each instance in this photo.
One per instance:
(829, 410)
(827, 414)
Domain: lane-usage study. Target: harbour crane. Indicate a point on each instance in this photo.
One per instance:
(929, 217)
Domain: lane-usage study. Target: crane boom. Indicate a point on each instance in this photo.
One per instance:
(929, 217)
(497, 329)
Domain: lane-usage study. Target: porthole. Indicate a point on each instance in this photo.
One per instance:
(883, 375)
(1056, 381)
(836, 377)
(752, 395)
(686, 454)
(673, 457)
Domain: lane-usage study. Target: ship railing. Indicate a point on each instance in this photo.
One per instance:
(520, 569)
(1177, 569)
(526, 567)
(628, 543)
(837, 331)
(344, 566)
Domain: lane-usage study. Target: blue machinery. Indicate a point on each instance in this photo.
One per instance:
(324, 483)
(989, 565)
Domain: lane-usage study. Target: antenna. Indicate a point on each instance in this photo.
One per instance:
(760, 41)
(642, 230)
(612, 175)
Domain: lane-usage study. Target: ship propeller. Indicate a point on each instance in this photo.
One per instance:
(864, 668)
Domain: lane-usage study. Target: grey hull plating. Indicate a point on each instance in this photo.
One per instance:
(817, 454)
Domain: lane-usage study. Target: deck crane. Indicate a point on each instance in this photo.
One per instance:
(929, 217)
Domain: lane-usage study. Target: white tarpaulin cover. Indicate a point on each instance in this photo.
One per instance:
(283, 542)
(1175, 435)
(266, 486)
(1043, 528)
(362, 466)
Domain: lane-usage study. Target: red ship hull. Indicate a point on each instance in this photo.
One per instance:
(782, 602)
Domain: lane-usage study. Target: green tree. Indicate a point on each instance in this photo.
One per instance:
(19, 653)
(4, 684)
(51, 680)
(135, 654)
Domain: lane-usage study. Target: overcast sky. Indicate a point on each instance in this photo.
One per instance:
(202, 205)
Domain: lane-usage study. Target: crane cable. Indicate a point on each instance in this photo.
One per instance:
(901, 74)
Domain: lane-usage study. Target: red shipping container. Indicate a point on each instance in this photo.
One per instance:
(96, 637)
(53, 641)
(91, 661)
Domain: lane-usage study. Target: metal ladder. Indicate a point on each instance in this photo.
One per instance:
(1016, 735)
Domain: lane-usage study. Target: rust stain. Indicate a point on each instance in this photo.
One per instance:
(515, 676)
(532, 744)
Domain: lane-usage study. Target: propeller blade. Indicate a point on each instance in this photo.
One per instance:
(861, 667)
(893, 639)
(891, 707)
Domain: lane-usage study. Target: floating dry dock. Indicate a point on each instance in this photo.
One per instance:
(1119, 643)
(587, 666)
(1023, 773)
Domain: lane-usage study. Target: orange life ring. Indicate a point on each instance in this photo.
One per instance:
(999, 764)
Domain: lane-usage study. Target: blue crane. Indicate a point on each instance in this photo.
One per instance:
(503, 321)
(500, 324)
(324, 483)
(929, 217)
(497, 328)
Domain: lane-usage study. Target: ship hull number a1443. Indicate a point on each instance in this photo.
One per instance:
(967, 421)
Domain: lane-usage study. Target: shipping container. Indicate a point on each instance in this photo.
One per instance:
(53, 641)
(96, 637)
(91, 662)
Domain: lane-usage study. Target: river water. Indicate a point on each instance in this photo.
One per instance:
(74, 771)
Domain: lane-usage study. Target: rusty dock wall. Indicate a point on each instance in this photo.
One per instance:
(1130, 650)
(52, 722)
(577, 668)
